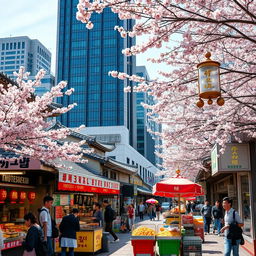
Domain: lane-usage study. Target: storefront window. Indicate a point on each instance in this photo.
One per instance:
(246, 207)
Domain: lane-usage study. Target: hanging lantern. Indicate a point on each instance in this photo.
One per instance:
(31, 196)
(3, 195)
(13, 196)
(22, 196)
(209, 82)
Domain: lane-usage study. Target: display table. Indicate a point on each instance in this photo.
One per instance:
(88, 240)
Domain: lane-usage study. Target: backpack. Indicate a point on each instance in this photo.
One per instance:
(113, 214)
(55, 231)
(235, 232)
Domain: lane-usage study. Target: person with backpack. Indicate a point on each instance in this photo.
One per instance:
(109, 216)
(68, 228)
(232, 230)
(45, 221)
(33, 243)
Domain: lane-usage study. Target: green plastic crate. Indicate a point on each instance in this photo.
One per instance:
(169, 247)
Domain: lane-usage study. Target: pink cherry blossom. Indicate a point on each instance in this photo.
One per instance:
(185, 31)
(24, 128)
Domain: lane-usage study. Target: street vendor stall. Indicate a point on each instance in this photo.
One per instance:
(89, 239)
(178, 187)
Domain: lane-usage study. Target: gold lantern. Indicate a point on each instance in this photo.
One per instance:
(209, 81)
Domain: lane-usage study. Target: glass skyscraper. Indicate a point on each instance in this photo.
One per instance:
(84, 58)
(146, 142)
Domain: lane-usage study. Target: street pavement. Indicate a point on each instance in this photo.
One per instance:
(213, 244)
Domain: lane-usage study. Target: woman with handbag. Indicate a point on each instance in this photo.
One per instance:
(33, 237)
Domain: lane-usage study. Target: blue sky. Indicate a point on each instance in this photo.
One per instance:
(38, 20)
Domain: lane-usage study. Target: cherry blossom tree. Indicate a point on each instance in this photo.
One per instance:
(185, 31)
(24, 128)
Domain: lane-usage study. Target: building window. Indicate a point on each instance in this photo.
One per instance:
(3, 46)
(132, 162)
(128, 160)
(23, 45)
(105, 173)
(113, 175)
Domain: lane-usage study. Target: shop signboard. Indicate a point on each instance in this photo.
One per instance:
(24, 164)
(86, 183)
(235, 158)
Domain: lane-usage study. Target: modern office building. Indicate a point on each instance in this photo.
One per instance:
(23, 51)
(123, 152)
(146, 142)
(84, 58)
(47, 83)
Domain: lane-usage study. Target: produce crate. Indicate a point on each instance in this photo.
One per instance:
(143, 245)
(186, 219)
(189, 232)
(199, 231)
(173, 219)
(192, 244)
(169, 246)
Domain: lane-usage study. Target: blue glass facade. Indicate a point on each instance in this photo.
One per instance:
(84, 59)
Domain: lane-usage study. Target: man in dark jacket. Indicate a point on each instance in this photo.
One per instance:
(206, 212)
(217, 214)
(68, 228)
(109, 216)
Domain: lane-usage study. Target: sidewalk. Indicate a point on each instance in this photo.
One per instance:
(213, 245)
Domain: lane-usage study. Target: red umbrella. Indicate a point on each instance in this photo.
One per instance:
(152, 201)
(177, 186)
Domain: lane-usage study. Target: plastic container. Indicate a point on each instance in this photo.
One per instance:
(169, 246)
(187, 219)
(143, 245)
(192, 244)
(199, 231)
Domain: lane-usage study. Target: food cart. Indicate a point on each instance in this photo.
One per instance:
(89, 239)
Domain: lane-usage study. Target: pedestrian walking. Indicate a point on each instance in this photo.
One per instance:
(158, 211)
(33, 237)
(68, 228)
(206, 212)
(232, 229)
(217, 214)
(98, 216)
(45, 221)
(109, 216)
(150, 212)
(141, 210)
(131, 216)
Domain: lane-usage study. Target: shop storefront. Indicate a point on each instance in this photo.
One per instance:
(22, 188)
(232, 177)
(80, 189)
